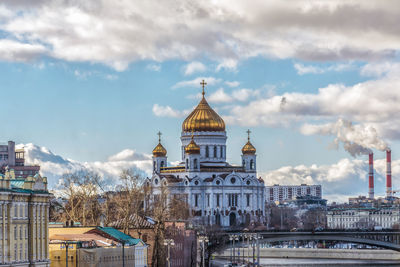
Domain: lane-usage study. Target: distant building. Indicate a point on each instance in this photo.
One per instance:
(24, 218)
(307, 201)
(280, 193)
(11, 158)
(354, 218)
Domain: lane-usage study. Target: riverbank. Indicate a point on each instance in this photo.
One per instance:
(317, 253)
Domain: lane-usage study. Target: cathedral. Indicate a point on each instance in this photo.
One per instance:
(216, 192)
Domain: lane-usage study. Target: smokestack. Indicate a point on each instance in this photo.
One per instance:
(371, 175)
(388, 173)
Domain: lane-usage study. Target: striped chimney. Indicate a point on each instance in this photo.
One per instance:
(388, 173)
(371, 175)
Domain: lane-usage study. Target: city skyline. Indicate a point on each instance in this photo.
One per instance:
(97, 96)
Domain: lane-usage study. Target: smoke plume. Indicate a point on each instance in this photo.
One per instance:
(357, 139)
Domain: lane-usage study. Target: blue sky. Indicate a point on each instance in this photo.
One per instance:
(89, 83)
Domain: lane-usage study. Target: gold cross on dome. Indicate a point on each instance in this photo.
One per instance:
(248, 134)
(203, 83)
(159, 136)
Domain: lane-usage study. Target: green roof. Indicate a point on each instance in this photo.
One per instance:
(126, 239)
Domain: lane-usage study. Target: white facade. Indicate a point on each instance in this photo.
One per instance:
(216, 192)
(363, 218)
(290, 192)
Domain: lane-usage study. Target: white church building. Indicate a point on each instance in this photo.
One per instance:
(216, 191)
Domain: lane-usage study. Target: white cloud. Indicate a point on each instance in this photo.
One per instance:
(220, 96)
(54, 166)
(153, 67)
(20, 52)
(194, 67)
(227, 64)
(362, 103)
(244, 94)
(346, 178)
(167, 111)
(380, 69)
(303, 69)
(116, 33)
(232, 84)
(196, 82)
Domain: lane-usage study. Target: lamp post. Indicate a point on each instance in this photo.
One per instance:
(169, 243)
(231, 237)
(243, 236)
(203, 240)
(249, 237)
(123, 253)
(234, 250)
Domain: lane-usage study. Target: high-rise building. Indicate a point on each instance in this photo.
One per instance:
(279, 193)
(216, 192)
(24, 217)
(12, 158)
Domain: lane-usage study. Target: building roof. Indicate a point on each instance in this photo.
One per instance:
(116, 234)
(136, 222)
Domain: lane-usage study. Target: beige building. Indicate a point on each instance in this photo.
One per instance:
(24, 213)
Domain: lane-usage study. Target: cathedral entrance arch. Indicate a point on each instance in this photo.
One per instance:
(232, 219)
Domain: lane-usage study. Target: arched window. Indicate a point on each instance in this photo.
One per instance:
(215, 151)
(207, 152)
(251, 164)
(243, 163)
(154, 165)
(220, 151)
(195, 164)
(162, 164)
(187, 164)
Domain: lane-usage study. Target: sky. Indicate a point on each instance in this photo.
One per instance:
(88, 84)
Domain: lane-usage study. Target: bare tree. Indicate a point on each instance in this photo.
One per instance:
(81, 189)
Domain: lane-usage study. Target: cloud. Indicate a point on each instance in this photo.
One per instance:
(232, 84)
(154, 67)
(361, 102)
(167, 111)
(357, 139)
(53, 166)
(343, 179)
(196, 82)
(194, 67)
(227, 64)
(302, 69)
(19, 52)
(220, 96)
(380, 69)
(116, 33)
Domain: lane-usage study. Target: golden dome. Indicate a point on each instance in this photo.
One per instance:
(203, 119)
(159, 150)
(192, 148)
(248, 148)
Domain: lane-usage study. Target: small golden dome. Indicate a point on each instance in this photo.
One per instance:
(248, 148)
(203, 119)
(159, 150)
(192, 148)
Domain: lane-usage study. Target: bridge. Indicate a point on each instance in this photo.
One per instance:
(382, 239)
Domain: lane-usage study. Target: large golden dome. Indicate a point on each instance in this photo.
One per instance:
(203, 119)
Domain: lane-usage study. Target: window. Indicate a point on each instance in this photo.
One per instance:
(16, 210)
(217, 198)
(196, 200)
(207, 152)
(162, 164)
(232, 200)
(220, 152)
(187, 164)
(251, 164)
(208, 200)
(20, 252)
(215, 151)
(20, 232)
(248, 200)
(15, 232)
(195, 163)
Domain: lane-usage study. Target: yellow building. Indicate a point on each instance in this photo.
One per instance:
(24, 217)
